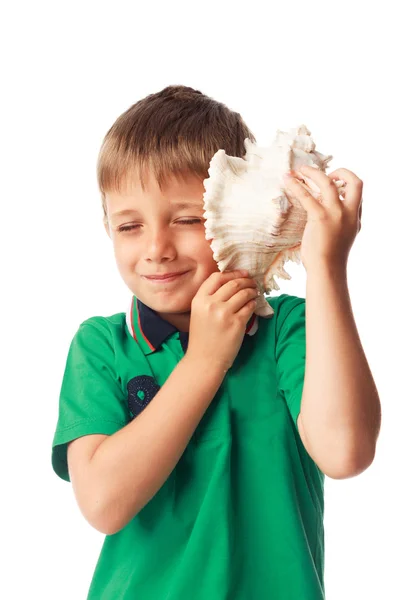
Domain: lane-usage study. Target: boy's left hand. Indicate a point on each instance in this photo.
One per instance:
(332, 223)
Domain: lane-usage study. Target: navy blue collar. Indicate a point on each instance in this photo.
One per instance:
(150, 330)
(154, 327)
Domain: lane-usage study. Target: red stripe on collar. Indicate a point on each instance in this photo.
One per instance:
(132, 327)
(140, 327)
(250, 325)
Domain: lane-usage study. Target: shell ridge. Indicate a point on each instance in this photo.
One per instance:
(251, 221)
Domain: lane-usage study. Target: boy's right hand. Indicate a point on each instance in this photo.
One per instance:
(220, 311)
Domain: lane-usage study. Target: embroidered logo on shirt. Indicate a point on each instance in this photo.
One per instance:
(141, 390)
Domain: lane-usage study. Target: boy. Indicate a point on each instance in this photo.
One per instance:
(179, 422)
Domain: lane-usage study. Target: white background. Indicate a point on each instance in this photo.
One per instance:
(68, 71)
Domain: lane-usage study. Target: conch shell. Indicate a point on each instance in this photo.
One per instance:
(250, 220)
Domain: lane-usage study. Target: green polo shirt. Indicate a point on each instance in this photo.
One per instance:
(241, 515)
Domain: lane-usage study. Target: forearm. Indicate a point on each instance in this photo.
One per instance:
(340, 408)
(131, 465)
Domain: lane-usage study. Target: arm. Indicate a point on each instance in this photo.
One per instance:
(340, 408)
(159, 435)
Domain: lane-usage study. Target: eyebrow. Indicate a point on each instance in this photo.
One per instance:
(177, 206)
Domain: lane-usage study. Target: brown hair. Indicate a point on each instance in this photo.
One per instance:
(173, 132)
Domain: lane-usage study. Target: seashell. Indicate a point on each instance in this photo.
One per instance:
(252, 222)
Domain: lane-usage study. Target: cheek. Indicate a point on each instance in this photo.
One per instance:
(205, 256)
(126, 254)
(203, 248)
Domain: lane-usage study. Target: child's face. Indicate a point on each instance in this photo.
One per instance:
(161, 242)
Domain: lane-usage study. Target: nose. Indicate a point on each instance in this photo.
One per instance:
(160, 246)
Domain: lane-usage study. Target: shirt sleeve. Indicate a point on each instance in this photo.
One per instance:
(91, 397)
(290, 351)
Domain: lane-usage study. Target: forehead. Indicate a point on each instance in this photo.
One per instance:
(175, 193)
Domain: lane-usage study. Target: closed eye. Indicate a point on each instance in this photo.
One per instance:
(136, 225)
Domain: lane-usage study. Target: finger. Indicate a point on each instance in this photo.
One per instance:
(354, 186)
(231, 288)
(330, 196)
(247, 309)
(345, 174)
(241, 298)
(297, 190)
(217, 279)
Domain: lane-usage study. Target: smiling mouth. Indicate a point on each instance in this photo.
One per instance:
(166, 279)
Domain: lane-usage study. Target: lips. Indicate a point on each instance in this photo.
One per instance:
(164, 276)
